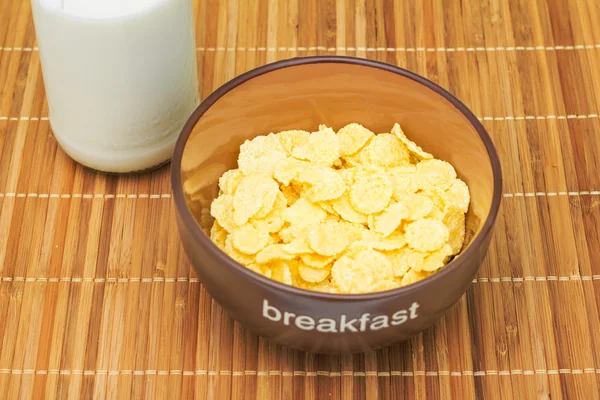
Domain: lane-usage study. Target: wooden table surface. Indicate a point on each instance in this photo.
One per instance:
(88, 310)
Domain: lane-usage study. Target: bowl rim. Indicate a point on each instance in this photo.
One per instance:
(203, 240)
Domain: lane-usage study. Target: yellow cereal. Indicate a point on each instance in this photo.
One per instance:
(261, 155)
(254, 192)
(344, 209)
(437, 259)
(439, 200)
(436, 173)
(458, 194)
(387, 221)
(351, 212)
(325, 183)
(418, 205)
(270, 223)
(355, 232)
(218, 235)
(322, 148)
(237, 255)
(290, 233)
(396, 240)
(399, 262)
(327, 207)
(272, 253)
(413, 276)
(222, 210)
(384, 150)
(316, 260)
(370, 193)
(292, 139)
(249, 240)
(261, 269)
(230, 180)
(291, 195)
(362, 272)
(282, 272)
(297, 246)
(426, 234)
(304, 213)
(412, 146)
(454, 220)
(313, 275)
(402, 179)
(352, 138)
(288, 169)
(328, 238)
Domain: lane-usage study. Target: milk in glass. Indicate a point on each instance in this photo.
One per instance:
(120, 77)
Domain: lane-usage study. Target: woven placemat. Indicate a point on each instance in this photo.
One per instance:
(88, 310)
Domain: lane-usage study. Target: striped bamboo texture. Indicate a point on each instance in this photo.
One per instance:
(90, 310)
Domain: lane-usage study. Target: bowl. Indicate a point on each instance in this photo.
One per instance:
(302, 93)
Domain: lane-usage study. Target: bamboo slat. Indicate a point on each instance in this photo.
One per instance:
(89, 311)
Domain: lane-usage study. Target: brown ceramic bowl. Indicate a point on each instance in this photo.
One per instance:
(302, 93)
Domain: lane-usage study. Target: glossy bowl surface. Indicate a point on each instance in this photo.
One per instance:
(302, 93)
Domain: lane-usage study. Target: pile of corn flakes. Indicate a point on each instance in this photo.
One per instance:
(345, 212)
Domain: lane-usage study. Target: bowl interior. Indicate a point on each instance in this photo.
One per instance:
(302, 96)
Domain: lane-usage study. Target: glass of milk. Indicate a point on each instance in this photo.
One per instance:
(120, 77)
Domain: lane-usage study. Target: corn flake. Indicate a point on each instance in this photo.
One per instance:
(288, 169)
(458, 194)
(352, 138)
(403, 181)
(273, 252)
(325, 183)
(292, 139)
(218, 235)
(412, 146)
(261, 155)
(237, 255)
(362, 272)
(399, 262)
(454, 220)
(371, 193)
(316, 260)
(344, 209)
(322, 148)
(328, 239)
(414, 276)
(437, 259)
(230, 180)
(260, 269)
(304, 213)
(249, 240)
(282, 272)
(273, 221)
(313, 275)
(297, 246)
(253, 193)
(436, 173)
(290, 193)
(394, 241)
(384, 150)
(387, 221)
(418, 205)
(222, 210)
(426, 234)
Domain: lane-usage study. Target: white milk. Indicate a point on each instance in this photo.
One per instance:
(120, 77)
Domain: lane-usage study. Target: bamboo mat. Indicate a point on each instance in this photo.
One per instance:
(97, 299)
